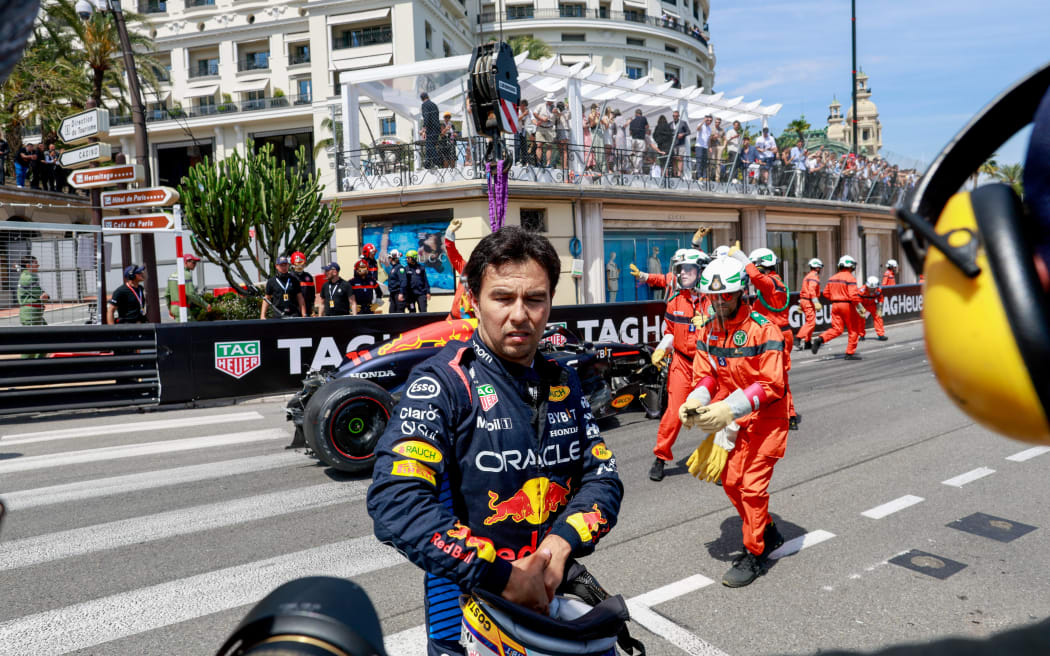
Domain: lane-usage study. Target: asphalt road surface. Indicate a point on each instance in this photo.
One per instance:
(154, 532)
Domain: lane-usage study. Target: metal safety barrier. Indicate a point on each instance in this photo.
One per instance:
(66, 368)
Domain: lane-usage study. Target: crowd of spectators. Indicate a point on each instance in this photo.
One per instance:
(35, 165)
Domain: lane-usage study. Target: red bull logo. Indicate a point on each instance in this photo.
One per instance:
(483, 546)
(588, 524)
(533, 503)
(431, 335)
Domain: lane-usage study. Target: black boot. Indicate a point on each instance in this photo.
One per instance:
(656, 473)
(772, 539)
(815, 346)
(852, 356)
(882, 338)
(798, 343)
(862, 338)
(793, 423)
(745, 569)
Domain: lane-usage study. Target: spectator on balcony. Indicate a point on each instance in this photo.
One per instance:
(51, 171)
(663, 135)
(525, 151)
(749, 161)
(714, 149)
(703, 142)
(732, 145)
(561, 117)
(766, 146)
(638, 128)
(597, 125)
(23, 160)
(545, 135)
(447, 141)
(681, 130)
(5, 152)
(431, 130)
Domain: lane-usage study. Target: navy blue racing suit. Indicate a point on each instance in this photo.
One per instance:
(480, 461)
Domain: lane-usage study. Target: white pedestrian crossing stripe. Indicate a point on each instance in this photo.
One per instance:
(91, 539)
(29, 463)
(141, 427)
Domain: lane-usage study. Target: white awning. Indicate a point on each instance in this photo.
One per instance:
(156, 96)
(359, 17)
(252, 85)
(357, 63)
(201, 92)
(298, 36)
(572, 60)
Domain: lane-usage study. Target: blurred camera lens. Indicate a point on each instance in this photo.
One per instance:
(313, 616)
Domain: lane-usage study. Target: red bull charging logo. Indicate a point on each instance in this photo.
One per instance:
(533, 503)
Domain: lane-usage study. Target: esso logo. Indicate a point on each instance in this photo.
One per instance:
(423, 388)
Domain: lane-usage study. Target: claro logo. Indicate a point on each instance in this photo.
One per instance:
(423, 388)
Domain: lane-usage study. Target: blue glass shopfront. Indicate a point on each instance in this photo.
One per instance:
(651, 252)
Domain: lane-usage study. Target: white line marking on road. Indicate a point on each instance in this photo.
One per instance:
(137, 530)
(878, 512)
(672, 590)
(144, 427)
(121, 615)
(28, 463)
(104, 487)
(671, 632)
(1028, 454)
(794, 545)
(968, 477)
(410, 642)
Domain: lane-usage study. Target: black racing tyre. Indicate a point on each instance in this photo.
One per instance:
(343, 422)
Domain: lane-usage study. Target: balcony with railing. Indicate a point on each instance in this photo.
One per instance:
(487, 20)
(205, 68)
(220, 108)
(190, 4)
(299, 58)
(153, 6)
(396, 166)
(258, 61)
(366, 36)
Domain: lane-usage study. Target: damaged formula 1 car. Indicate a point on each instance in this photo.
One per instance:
(340, 412)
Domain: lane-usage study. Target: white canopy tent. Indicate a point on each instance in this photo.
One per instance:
(397, 89)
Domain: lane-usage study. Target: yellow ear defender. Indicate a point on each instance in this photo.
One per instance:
(986, 312)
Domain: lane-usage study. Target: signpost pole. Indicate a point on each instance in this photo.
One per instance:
(180, 266)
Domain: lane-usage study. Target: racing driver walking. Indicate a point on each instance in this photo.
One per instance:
(492, 471)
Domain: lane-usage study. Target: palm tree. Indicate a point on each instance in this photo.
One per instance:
(794, 131)
(537, 48)
(1012, 174)
(989, 169)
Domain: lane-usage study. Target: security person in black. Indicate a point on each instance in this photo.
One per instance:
(417, 288)
(305, 278)
(128, 302)
(365, 289)
(396, 282)
(284, 293)
(336, 293)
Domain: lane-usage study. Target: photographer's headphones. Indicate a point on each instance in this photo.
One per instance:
(987, 297)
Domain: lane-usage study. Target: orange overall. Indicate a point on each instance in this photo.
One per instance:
(810, 292)
(889, 278)
(461, 308)
(842, 291)
(678, 322)
(870, 298)
(747, 354)
(665, 281)
(774, 293)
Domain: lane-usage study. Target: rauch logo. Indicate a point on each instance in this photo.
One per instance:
(237, 358)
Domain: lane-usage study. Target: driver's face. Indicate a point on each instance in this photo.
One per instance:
(513, 308)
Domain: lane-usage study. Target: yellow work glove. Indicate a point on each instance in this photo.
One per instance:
(817, 306)
(687, 412)
(862, 312)
(724, 441)
(699, 321)
(658, 358)
(738, 254)
(713, 418)
(699, 235)
(698, 460)
(634, 270)
(878, 311)
(455, 225)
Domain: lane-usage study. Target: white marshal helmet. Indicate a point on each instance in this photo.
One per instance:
(763, 257)
(873, 281)
(690, 257)
(891, 264)
(678, 255)
(847, 262)
(815, 263)
(723, 275)
(722, 251)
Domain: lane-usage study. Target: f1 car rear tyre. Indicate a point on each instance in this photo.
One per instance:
(343, 422)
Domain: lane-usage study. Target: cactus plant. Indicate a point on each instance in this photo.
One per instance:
(223, 202)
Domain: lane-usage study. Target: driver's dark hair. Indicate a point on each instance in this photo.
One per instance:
(512, 244)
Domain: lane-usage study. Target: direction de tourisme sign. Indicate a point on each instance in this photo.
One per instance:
(106, 176)
(159, 221)
(148, 197)
(81, 127)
